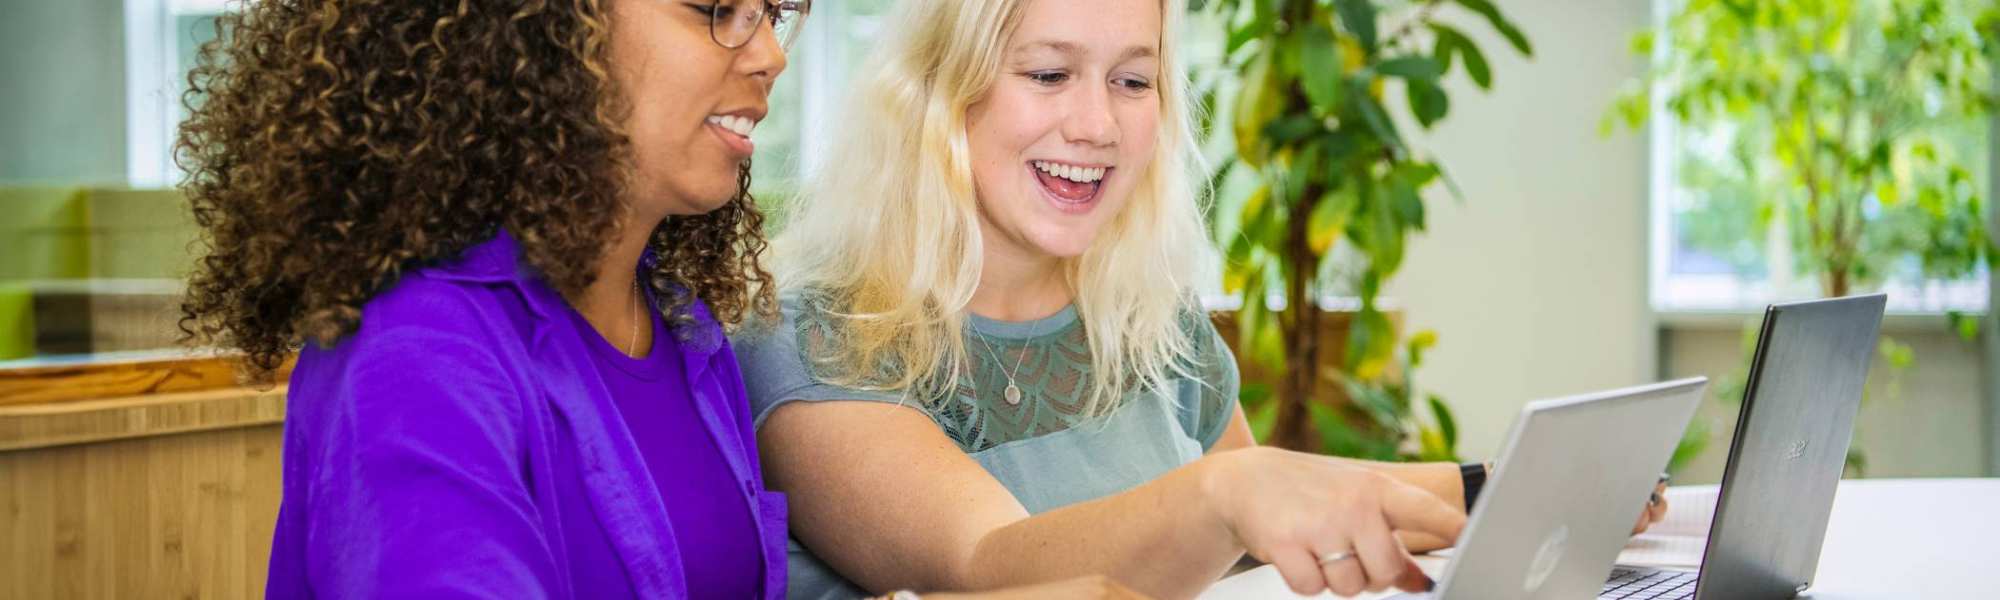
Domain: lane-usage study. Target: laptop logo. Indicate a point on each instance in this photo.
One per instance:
(1798, 449)
(1546, 559)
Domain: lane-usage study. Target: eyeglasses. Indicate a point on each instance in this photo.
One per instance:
(732, 23)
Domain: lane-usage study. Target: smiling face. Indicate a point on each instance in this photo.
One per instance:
(691, 102)
(1069, 127)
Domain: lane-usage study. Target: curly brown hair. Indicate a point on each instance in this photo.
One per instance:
(332, 146)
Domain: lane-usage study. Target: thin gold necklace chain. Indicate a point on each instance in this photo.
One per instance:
(632, 345)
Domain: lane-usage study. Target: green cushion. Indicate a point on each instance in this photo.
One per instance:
(17, 322)
(105, 233)
(44, 233)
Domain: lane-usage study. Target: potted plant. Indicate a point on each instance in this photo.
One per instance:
(1328, 192)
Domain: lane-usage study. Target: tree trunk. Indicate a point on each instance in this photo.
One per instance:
(1294, 428)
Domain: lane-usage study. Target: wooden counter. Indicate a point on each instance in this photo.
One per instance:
(136, 476)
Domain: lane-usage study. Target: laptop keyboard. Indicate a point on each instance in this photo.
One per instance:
(1635, 584)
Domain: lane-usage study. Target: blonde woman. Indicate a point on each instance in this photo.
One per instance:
(991, 369)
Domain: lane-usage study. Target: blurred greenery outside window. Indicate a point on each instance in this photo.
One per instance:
(836, 38)
(1716, 246)
(806, 100)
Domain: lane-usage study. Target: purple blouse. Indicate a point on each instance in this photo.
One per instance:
(651, 396)
(447, 448)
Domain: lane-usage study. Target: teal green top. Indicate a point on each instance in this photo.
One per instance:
(1044, 449)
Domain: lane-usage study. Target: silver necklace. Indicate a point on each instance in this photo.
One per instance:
(1013, 392)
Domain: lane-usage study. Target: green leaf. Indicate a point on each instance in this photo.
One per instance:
(1378, 120)
(1385, 234)
(1406, 183)
(1329, 218)
(1966, 325)
(1380, 402)
(1447, 425)
(1256, 105)
(1370, 341)
(1887, 192)
(1358, 18)
(1262, 413)
(1260, 337)
(1419, 343)
(1486, 9)
(1413, 68)
(1693, 441)
(1239, 36)
(1289, 129)
(1431, 446)
(1322, 68)
(1427, 101)
(1895, 354)
(1338, 438)
(1450, 41)
(1409, 205)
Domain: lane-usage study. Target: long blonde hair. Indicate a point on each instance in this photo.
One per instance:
(886, 235)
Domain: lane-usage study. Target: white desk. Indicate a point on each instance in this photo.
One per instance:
(1888, 538)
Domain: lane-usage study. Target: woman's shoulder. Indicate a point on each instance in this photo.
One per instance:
(796, 307)
(424, 327)
(1197, 325)
(424, 304)
(421, 352)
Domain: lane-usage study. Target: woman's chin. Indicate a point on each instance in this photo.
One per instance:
(705, 200)
(1063, 244)
(712, 203)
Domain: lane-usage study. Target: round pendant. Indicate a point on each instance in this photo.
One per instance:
(1013, 394)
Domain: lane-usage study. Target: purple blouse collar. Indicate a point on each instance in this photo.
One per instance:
(498, 260)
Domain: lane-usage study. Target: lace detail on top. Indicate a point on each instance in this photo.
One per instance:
(1053, 355)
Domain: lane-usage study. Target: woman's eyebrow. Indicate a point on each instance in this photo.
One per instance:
(1057, 46)
(1074, 49)
(1132, 52)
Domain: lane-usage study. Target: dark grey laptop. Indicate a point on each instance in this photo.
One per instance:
(1785, 462)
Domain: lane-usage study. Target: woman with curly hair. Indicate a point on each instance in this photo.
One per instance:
(503, 238)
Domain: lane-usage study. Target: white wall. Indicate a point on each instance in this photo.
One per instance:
(1929, 426)
(1536, 283)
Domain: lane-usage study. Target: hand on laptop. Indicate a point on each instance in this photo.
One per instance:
(1323, 524)
(1656, 509)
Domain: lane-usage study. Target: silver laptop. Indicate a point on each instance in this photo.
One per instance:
(1573, 475)
(1785, 462)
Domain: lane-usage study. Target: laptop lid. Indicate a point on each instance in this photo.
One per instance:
(1574, 474)
(1790, 447)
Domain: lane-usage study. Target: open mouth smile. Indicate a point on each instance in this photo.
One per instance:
(1070, 187)
(734, 130)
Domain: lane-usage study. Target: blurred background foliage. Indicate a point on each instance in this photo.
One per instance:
(1840, 140)
(1317, 192)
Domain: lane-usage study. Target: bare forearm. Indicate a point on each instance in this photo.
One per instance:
(1440, 479)
(1161, 538)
